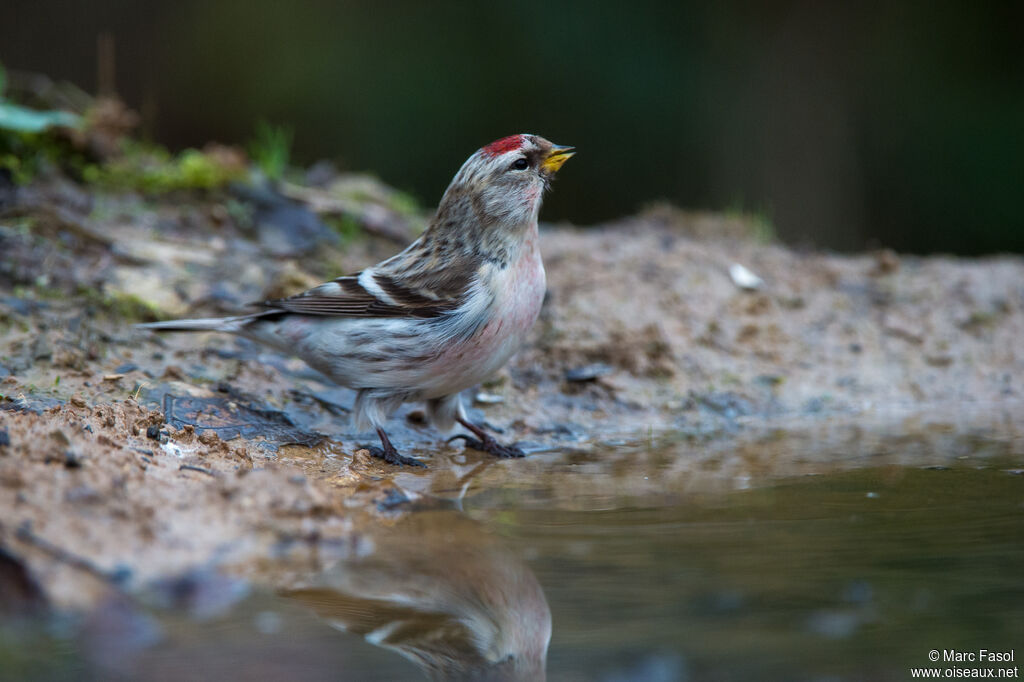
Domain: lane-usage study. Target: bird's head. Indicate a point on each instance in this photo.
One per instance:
(505, 180)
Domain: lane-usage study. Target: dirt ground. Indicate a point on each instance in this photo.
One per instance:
(127, 458)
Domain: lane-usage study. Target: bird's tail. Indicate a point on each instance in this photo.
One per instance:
(205, 324)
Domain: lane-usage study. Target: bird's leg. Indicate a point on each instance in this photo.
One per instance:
(484, 442)
(389, 454)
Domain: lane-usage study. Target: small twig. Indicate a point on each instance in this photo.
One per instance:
(28, 536)
(135, 396)
(193, 467)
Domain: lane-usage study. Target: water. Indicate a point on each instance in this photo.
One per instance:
(848, 575)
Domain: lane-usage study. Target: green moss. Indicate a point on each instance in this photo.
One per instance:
(153, 170)
(39, 291)
(347, 228)
(24, 155)
(13, 164)
(122, 305)
(195, 169)
(28, 140)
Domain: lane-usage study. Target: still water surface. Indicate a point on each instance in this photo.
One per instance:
(854, 575)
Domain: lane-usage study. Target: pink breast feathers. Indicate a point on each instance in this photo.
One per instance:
(527, 288)
(487, 350)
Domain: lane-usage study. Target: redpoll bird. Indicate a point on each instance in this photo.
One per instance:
(437, 318)
(474, 611)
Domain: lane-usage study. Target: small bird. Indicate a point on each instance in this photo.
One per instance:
(474, 611)
(435, 319)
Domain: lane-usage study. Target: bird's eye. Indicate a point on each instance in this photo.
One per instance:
(520, 164)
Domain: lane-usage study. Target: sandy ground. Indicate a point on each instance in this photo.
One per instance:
(127, 459)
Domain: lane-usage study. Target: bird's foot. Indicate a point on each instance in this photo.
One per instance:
(392, 456)
(489, 445)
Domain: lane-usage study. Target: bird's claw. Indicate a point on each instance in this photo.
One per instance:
(490, 446)
(393, 456)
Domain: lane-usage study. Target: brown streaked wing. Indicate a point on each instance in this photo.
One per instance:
(430, 276)
(346, 297)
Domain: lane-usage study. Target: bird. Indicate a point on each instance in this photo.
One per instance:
(474, 611)
(436, 318)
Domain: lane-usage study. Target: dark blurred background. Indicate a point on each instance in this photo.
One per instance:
(847, 125)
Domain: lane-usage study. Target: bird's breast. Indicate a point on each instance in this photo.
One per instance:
(517, 293)
(519, 290)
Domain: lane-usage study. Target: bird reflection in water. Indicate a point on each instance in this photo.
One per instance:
(439, 590)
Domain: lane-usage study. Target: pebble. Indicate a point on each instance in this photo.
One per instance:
(589, 372)
(744, 278)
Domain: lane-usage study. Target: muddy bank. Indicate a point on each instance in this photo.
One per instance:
(658, 368)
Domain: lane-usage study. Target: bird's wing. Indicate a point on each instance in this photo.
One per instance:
(370, 293)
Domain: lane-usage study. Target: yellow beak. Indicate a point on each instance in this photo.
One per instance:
(556, 157)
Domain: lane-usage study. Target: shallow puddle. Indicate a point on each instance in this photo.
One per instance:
(849, 575)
